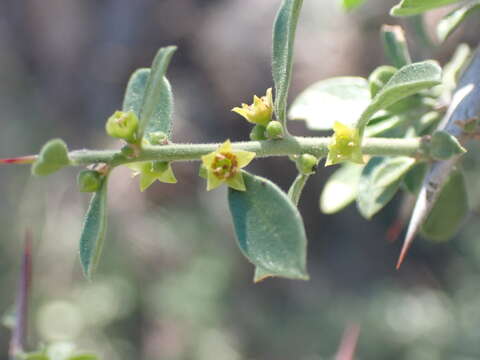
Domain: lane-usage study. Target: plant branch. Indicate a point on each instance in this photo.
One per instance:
(317, 146)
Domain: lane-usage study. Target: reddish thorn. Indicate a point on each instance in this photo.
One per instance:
(19, 160)
(348, 345)
(403, 255)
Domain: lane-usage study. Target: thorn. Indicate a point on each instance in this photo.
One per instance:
(19, 160)
(348, 345)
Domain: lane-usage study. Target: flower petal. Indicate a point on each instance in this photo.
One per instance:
(237, 182)
(243, 157)
(212, 181)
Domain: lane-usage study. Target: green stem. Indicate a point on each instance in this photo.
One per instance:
(296, 189)
(317, 146)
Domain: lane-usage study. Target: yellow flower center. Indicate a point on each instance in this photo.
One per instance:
(225, 165)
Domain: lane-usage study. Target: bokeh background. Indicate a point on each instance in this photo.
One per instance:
(172, 285)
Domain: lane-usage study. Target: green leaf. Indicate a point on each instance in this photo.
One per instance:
(415, 7)
(269, 229)
(395, 45)
(390, 126)
(156, 113)
(414, 178)
(449, 211)
(341, 188)
(452, 21)
(53, 156)
(282, 60)
(380, 180)
(135, 92)
(453, 69)
(341, 99)
(407, 81)
(94, 230)
(351, 4)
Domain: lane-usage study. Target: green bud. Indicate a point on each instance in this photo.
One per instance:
(379, 77)
(443, 146)
(123, 125)
(274, 130)
(307, 164)
(89, 181)
(157, 138)
(127, 151)
(258, 133)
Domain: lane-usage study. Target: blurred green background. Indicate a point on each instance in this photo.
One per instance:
(172, 285)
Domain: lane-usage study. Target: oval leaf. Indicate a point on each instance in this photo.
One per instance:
(452, 21)
(341, 99)
(53, 156)
(158, 100)
(341, 188)
(449, 211)
(407, 81)
(283, 41)
(415, 7)
(269, 229)
(133, 98)
(380, 180)
(94, 230)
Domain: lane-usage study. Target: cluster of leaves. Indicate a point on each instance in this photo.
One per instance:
(382, 106)
(400, 101)
(445, 27)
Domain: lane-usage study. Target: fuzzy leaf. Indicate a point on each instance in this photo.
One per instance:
(53, 156)
(415, 7)
(341, 188)
(380, 180)
(341, 99)
(133, 98)
(449, 210)
(407, 81)
(156, 113)
(94, 230)
(452, 21)
(269, 228)
(282, 60)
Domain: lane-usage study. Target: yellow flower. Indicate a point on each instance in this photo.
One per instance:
(122, 125)
(260, 112)
(345, 145)
(223, 166)
(150, 171)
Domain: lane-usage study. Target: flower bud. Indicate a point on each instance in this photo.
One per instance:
(123, 125)
(443, 146)
(258, 133)
(274, 130)
(89, 181)
(157, 138)
(307, 164)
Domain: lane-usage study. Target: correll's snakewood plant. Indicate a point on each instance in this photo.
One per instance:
(405, 128)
